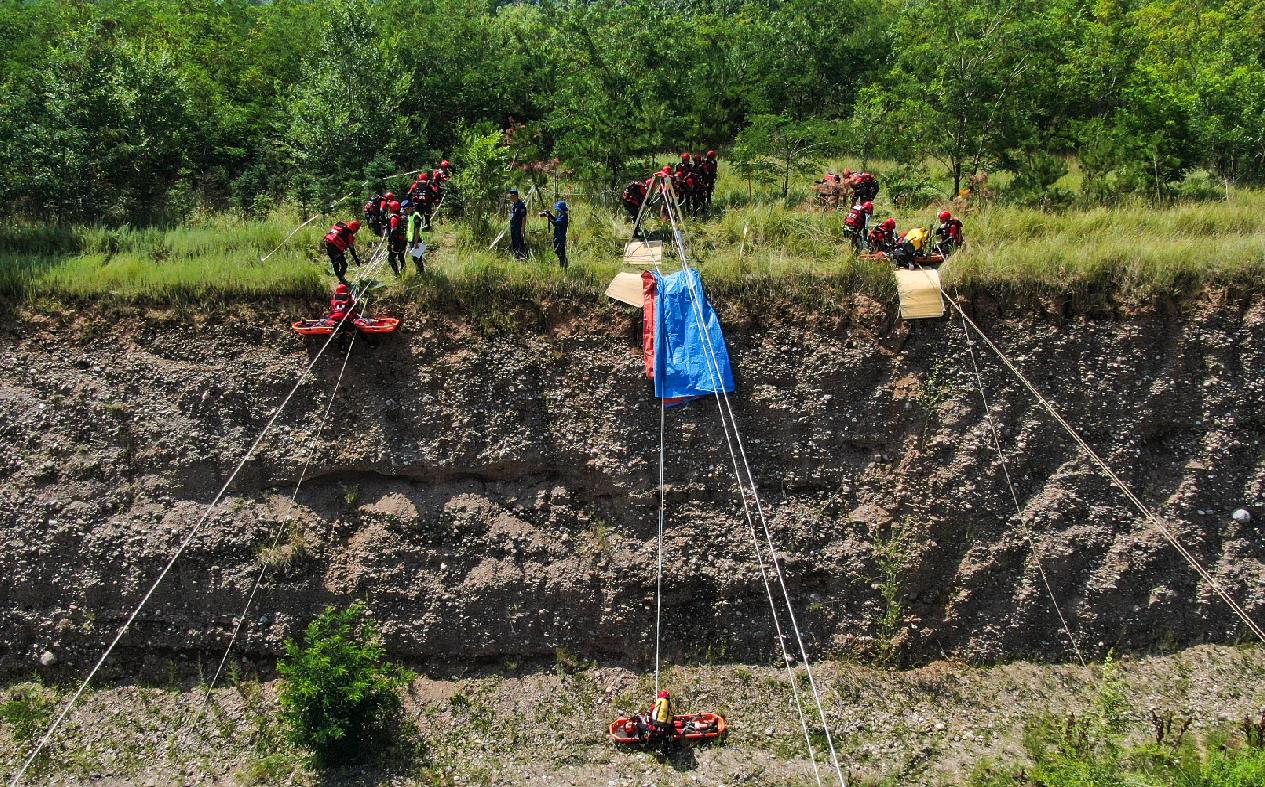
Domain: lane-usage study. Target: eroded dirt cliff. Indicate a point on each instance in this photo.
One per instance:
(492, 495)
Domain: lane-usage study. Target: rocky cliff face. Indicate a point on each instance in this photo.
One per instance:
(494, 496)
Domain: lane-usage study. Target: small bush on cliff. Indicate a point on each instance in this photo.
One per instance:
(340, 695)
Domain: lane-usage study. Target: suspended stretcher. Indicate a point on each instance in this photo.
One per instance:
(629, 731)
(327, 325)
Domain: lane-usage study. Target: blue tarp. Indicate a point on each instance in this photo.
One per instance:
(682, 364)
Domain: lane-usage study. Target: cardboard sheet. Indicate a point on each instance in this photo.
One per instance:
(626, 288)
(919, 294)
(643, 253)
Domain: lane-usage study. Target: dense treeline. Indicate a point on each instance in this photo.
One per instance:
(138, 110)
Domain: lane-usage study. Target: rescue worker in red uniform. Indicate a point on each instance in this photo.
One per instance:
(683, 168)
(710, 170)
(397, 241)
(422, 195)
(439, 178)
(341, 304)
(864, 186)
(633, 197)
(341, 239)
(375, 211)
(857, 223)
(883, 237)
(949, 234)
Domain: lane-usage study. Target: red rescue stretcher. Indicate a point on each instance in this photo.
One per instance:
(686, 727)
(327, 325)
(922, 261)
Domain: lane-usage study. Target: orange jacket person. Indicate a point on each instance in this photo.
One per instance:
(341, 239)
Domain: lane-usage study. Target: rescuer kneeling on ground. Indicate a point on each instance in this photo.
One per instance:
(949, 233)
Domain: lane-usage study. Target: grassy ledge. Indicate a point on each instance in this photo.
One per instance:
(748, 252)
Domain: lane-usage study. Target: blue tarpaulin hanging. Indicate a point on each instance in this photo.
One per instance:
(683, 366)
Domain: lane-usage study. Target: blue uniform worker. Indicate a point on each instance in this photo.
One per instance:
(560, 223)
(518, 223)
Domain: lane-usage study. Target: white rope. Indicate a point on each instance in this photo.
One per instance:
(724, 407)
(276, 536)
(658, 588)
(184, 543)
(1106, 470)
(1014, 496)
(327, 210)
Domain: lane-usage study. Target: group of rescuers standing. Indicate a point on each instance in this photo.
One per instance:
(692, 181)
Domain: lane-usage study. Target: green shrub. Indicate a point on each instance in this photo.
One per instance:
(1034, 185)
(340, 696)
(27, 711)
(1199, 185)
(909, 186)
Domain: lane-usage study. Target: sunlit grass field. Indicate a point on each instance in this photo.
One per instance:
(750, 247)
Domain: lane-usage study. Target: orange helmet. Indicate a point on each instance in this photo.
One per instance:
(354, 226)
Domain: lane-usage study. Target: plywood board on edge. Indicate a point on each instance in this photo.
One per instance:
(919, 293)
(643, 252)
(626, 288)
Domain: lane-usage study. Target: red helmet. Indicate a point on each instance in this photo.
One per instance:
(847, 173)
(667, 170)
(341, 289)
(945, 215)
(711, 154)
(424, 176)
(889, 224)
(663, 695)
(354, 226)
(444, 164)
(395, 206)
(685, 157)
(868, 207)
(388, 196)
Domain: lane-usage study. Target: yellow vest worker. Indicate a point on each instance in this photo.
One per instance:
(917, 237)
(661, 713)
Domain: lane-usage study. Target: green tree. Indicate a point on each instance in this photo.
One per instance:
(340, 695)
(961, 78)
(792, 146)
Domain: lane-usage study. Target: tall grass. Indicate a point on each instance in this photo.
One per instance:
(751, 252)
